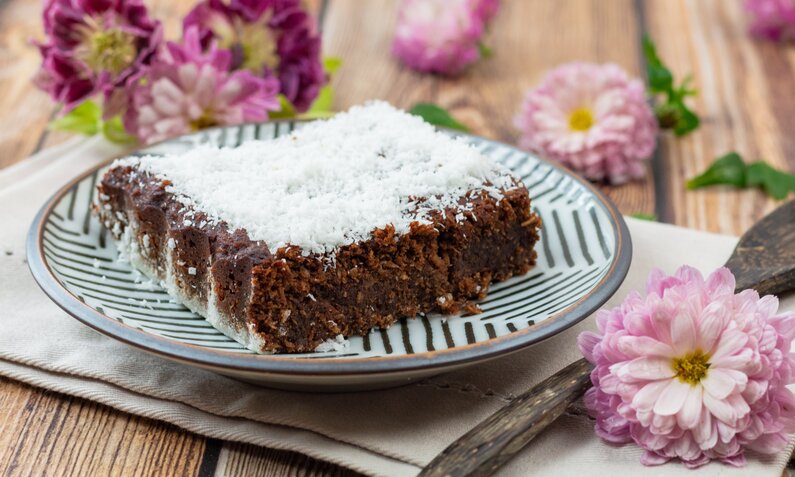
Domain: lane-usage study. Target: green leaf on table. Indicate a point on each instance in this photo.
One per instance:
(437, 116)
(287, 110)
(728, 169)
(776, 183)
(113, 130)
(642, 216)
(324, 100)
(687, 121)
(660, 77)
(672, 113)
(732, 170)
(484, 50)
(86, 119)
(331, 64)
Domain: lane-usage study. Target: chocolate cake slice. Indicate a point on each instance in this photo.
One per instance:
(341, 226)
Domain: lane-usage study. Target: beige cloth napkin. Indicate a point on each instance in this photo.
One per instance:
(391, 432)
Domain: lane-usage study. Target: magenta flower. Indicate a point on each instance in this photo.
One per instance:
(441, 36)
(187, 88)
(94, 46)
(591, 118)
(693, 371)
(267, 37)
(772, 19)
(486, 9)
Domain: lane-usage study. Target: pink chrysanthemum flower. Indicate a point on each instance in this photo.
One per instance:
(591, 118)
(772, 19)
(186, 89)
(441, 36)
(693, 371)
(94, 46)
(266, 37)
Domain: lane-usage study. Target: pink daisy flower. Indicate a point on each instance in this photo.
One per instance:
(441, 36)
(186, 89)
(772, 19)
(693, 371)
(593, 119)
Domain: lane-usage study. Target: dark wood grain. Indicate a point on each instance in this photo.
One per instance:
(500, 437)
(764, 258)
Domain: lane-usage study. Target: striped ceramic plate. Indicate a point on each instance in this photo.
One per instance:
(584, 255)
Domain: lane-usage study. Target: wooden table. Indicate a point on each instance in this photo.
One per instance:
(746, 104)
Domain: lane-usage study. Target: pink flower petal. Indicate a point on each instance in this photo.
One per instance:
(721, 283)
(713, 320)
(672, 398)
(636, 346)
(645, 369)
(645, 399)
(730, 342)
(719, 383)
(721, 409)
(688, 417)
(706, 432)
(683, 333)
(652, 458)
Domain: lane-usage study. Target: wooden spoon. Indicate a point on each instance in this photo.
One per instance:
(764, 260)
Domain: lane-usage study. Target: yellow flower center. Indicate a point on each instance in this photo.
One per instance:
(692, 367)
(255, 41)
(110, 50)
(204, 121)
(581, 119)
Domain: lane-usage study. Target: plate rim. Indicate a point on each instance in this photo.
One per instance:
(268, 364)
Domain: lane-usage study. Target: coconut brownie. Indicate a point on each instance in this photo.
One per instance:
(341, 226)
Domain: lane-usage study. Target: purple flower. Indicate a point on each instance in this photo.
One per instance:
(94, 46)
(591, 118)
(441, 36)
(693, 371)
(266, 37)
(187, 88)
(772, 19)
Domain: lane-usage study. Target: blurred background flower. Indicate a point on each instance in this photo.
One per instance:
(442, 36)
(593, 119)
(772, 19)
(94, 46)
(187, 88)
(268, 38)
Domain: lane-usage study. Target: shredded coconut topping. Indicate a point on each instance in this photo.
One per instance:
(338, 343)
(331, 183)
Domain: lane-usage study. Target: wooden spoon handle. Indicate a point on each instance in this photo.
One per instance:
(494, 441)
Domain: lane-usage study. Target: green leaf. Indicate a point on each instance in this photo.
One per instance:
(728, 169)
(113, 130)
(687, 120)
(324, 100)
(484, 50)
(673, 113)
(437, 116)
(642, 216)
(287, 109)
(660, 77)
(86, 119)
(316, 115)
(776, 183)
(331, 64)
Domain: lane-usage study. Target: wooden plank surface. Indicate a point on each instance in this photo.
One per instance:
(745, 102)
